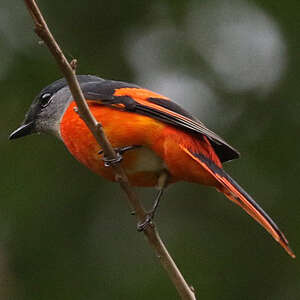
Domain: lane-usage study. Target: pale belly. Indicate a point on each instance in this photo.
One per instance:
(143, 166)
(145, 161)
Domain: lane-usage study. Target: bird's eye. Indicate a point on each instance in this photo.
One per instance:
(45, 99)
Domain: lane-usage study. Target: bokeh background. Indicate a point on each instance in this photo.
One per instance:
(67, 234)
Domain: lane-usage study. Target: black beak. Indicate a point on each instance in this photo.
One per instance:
(23, 130)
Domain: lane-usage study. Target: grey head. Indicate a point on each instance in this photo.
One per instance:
(48, 107)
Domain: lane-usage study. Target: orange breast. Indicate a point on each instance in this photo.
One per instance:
(142, 165)
(160, 146)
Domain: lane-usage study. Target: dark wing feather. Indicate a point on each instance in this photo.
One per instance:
(224, 151)
(234, 192)
(157, 108)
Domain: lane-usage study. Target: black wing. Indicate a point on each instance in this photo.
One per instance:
(134, 100)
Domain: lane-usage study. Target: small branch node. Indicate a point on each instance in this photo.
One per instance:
(39, 26)
(39, 29)
(73, 64)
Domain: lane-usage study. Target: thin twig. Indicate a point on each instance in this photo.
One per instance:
(68, 70)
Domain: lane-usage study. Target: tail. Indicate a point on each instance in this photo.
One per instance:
(235, 193)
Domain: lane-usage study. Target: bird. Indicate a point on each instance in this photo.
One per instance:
(157, 142)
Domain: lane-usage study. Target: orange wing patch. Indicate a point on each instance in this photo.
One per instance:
(138, 93)
(177, 117)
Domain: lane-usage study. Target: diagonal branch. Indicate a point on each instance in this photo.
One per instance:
(68, 70)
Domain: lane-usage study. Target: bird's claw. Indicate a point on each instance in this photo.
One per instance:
(108, 162)
(141, 226)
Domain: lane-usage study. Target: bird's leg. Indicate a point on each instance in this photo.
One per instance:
(119, 151)
(162, 183)
(150, 215)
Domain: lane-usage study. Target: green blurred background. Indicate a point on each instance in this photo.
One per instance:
(67, 234)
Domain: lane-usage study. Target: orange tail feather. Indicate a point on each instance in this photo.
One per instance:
(235, 193)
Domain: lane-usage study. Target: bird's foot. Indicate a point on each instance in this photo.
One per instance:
(150, 215)
(141, 226)
(109, 162)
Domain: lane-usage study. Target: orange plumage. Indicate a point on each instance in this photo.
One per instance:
(124, 128)
(168, 139)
